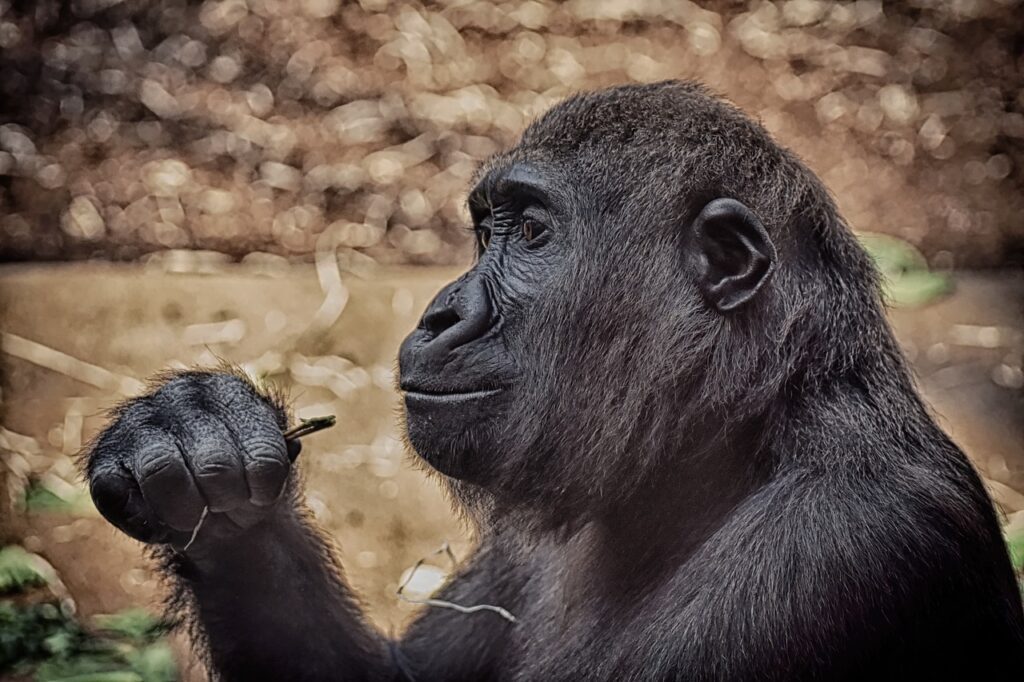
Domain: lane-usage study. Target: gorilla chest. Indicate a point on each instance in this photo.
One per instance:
(573, 625)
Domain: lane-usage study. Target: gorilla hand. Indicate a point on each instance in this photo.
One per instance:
(204, 448)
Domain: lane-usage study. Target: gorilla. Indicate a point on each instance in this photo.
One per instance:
(666, 395)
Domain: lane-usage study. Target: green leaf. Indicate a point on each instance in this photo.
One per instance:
(1015, 543)
(33, 631)
(906, 279)
(892, 254)
(104, 676)
(43, 638)
(916, 288)
(154, 663)
(134, 624)
(41, 499)
(59, 643)
(19, 571)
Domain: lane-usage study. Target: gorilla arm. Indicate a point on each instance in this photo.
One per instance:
(767, 586)
(206, 450)
(274, 605)
(445, 644)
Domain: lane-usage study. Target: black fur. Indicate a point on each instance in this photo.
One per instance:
(668, 396)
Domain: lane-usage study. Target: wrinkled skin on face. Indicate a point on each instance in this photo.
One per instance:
(462, 368)
(554, 367)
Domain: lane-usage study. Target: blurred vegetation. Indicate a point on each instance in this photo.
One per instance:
(906, 278)
(40, 638)
(69, 500)
(131, 126)
(1015, 541)
(17, 571)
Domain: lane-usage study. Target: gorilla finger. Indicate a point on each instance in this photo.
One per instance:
(264, 452)
(256, 425)
(216, 464)
(167, 484)
(118, 498)
(294, 448)
(266, 467)
(246, 517)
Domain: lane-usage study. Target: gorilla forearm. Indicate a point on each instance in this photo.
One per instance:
(272, 604)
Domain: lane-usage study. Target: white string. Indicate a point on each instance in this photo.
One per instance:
(445, 549)
(195, 531)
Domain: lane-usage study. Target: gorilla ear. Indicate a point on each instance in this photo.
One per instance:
(734, 254)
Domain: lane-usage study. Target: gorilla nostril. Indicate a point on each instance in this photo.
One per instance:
(461, 313)
(437, 321)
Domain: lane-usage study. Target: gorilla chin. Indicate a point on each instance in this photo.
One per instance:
(450, 431)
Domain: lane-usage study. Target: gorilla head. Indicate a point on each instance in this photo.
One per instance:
(651, 268)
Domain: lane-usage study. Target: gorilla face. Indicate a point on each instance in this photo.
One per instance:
(562, 363)
(461, 368)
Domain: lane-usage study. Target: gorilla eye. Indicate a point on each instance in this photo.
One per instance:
(532, 228)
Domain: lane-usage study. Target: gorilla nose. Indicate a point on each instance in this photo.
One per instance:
(460, 313)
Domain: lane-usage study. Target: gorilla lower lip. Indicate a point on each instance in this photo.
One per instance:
(452, 396)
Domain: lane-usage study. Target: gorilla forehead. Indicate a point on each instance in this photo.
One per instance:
(632, 116)
(673, 139)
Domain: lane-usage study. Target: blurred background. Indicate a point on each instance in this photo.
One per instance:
(280, 183)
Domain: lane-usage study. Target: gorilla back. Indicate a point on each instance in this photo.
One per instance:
(667, 395)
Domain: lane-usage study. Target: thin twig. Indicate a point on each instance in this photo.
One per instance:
(328, 272)
(56, 361)
(308, 426)
(441, 603)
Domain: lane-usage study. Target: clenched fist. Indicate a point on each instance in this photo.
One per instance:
(202, 440)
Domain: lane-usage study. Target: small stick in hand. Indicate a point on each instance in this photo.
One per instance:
(308, 426)
(304, 428)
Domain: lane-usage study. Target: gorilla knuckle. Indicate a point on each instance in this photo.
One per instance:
(182, 388)
(190, 379)
(108, 449)
(154, 463)
(266, 471)
(269, 446)
(136, 409)
(212, 390)
(118, 439)
(230, 389)
(228, 384)
(214, 465)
